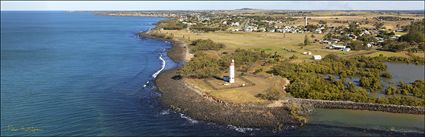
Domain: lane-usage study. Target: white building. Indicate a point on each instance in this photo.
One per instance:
(317, 57)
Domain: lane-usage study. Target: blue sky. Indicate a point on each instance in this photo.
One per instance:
(211, 5)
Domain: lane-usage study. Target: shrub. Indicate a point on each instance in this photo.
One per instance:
(271, 94)
(386, 75)
(293, 57)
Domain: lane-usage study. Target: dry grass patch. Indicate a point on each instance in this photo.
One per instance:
(238, 95)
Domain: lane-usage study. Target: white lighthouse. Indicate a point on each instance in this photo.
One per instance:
(306, 21)
(232, 72)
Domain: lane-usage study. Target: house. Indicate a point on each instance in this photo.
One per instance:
(379, 39)
(395, 37)
(334, 46)
(317, 57)
(365, 32)
(369, 45)
(234, 24)
(307, 53)
(248, 29)
(399, 30)
(279, 30)
(346, 49)
(262, 29)
(318, 30)
(271, 30)
(325, 42)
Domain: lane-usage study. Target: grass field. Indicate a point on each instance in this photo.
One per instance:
(286, 45)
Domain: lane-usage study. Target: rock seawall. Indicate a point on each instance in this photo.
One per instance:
(359, 106)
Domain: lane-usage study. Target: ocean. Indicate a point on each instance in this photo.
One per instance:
(77, 73)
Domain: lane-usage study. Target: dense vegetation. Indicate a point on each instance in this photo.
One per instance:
(309, 80)
(203, 45)
(171, 24)
(411, 60)
(157, 35)
(203, 28)
(203, 66)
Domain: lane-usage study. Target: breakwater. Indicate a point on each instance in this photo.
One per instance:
(359, 106)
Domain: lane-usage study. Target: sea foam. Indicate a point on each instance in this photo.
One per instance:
(162, 68)
(188, 118)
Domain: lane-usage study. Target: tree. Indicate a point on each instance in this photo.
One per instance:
(357, 45)
(419, 88)
(416, 32)
(331, 57)
(201, 66)
(391, 90)
(395, 46)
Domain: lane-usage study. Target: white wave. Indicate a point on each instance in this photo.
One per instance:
(240, 129)
(165, 112)
(162, 68)
(188, 118)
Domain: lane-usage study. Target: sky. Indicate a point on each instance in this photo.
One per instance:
(209, 5)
